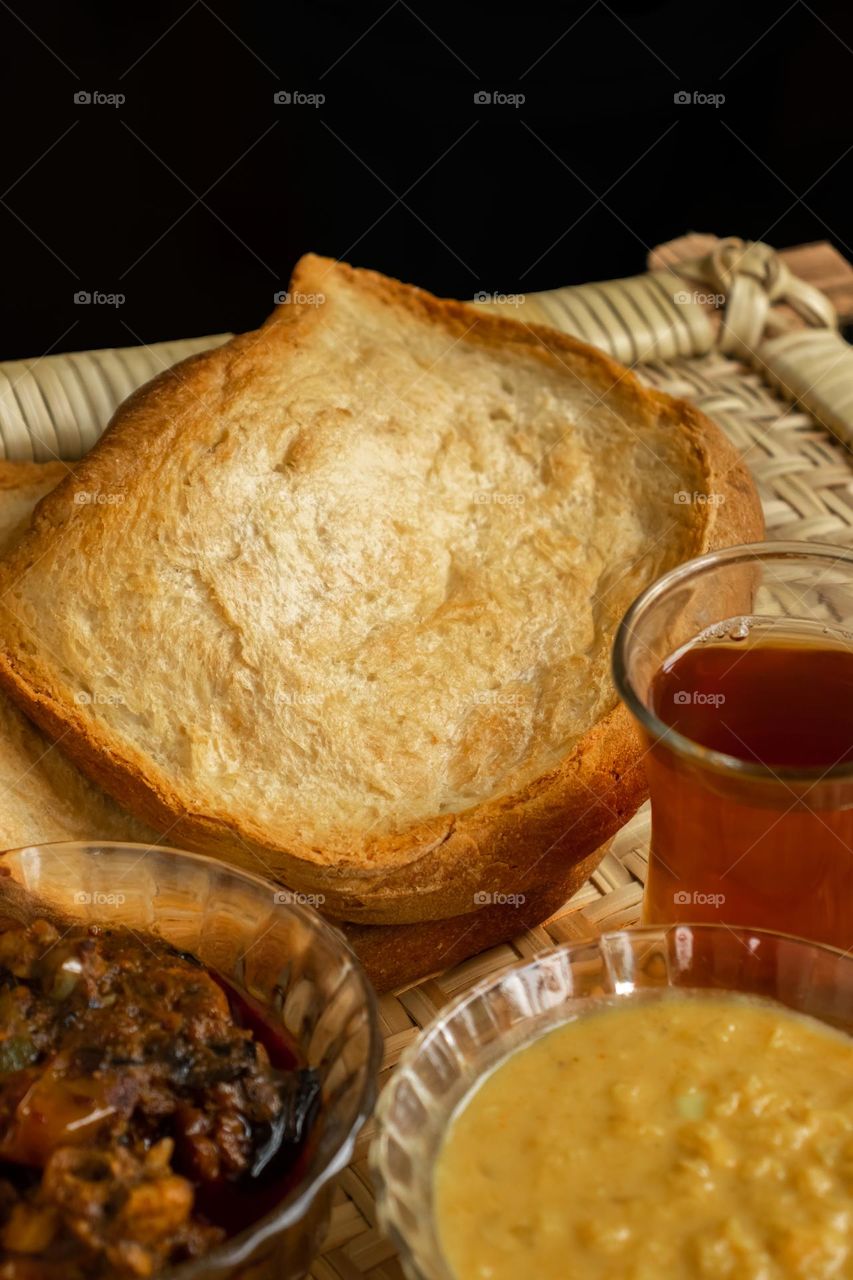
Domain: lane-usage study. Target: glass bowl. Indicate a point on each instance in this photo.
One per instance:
(279, 953)
(478, 1030)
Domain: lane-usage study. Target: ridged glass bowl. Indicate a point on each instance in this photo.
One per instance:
(280, 954)
(477, 1031)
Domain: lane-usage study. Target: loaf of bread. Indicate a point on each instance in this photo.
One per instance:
(336, 600)
(44, 798)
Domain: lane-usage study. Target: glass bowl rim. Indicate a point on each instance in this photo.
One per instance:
(570, 950)
(238, 1248)
(660, 731)
(650, 932)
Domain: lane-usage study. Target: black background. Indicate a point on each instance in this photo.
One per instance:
(195, 197)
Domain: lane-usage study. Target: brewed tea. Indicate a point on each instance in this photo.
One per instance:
(766, 840)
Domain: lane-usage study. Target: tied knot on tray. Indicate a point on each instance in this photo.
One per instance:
(753, 279)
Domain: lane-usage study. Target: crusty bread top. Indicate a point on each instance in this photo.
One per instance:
(352, 573)
(42, 796)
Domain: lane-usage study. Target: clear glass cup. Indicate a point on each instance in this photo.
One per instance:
(475, 1032)
(283, 956)
(733, 839)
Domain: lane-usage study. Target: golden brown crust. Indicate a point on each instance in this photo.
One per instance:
(432, 869)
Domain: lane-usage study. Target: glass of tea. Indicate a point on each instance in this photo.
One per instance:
(738, 668)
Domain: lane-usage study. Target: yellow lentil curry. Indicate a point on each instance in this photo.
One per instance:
(683, 1136)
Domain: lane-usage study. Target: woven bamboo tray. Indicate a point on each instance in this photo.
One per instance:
(678, 341)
